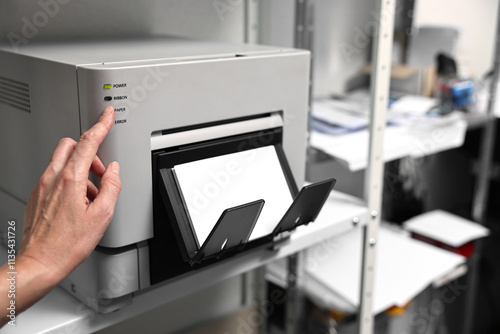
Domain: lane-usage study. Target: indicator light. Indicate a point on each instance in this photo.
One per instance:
(107, 86)
(108, 98)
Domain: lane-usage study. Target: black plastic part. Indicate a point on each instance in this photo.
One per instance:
(183, 228)
(174, 249)
(232, 231)
(292, 186)
(165, 160)
(306, 206)
(174, 244)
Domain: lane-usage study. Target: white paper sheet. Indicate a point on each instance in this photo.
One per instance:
(427, 136)
(413, 105)
(338, 113)
(404, 267)
(210, 186)
(446, 227)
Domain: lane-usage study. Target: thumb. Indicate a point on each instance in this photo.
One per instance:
(104, 203)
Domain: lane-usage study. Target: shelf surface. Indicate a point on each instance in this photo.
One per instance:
(405, 267)
(59, 312)
(428, 136)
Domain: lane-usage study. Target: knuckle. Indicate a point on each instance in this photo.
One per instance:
(115, 182)
(108, 212)
(44, 180)
(66, 141)
(89, 136)
(68, 176)
(52, 169)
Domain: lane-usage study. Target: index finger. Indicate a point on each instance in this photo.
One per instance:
(89, 142)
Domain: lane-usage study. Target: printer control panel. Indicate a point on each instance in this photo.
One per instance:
(115, 93)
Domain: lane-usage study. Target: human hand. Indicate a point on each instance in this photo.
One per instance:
(67, 214)
(65, 218)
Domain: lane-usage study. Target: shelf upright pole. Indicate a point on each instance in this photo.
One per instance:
(254, 284)
(303, 39)
(488, 138)
(481, 190)
(251, 21)
(379, 95)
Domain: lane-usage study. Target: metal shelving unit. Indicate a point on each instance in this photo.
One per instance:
(379, 96)
(379, 89)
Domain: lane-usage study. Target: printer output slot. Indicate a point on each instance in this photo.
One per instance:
(174, 223)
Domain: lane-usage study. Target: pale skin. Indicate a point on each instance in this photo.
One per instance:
(65, 218)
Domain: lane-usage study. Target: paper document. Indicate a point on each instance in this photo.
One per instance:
(446, 228)
(340, 113)
(404, 268)
(327, 128)
(210, 186)
(426, 136)
(351, 112)
(413, 105)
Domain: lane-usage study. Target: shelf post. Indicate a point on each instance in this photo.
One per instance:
(304, 39)
(482, 185)
(294, 306)
(379, 95)
(251, 21)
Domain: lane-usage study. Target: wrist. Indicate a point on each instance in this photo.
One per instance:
(32, 270)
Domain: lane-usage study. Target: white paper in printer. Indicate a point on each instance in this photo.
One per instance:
(210, 186)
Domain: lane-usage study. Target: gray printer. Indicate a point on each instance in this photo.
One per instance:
(176, 101)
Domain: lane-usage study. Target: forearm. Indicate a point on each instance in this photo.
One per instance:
(65, 218)
(23, 286)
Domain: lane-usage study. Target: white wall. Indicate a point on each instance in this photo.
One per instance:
(338, 53)
(342, 43)
(74, 19)
(277, 22)
(476, 20)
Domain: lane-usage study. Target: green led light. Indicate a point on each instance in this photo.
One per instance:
(107, 86)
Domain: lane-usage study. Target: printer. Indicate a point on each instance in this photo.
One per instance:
(211, 140)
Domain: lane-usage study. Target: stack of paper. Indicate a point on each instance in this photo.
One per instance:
(210, 186)
(338, 116)
(404, 267)
(334, 117)
(447, 228)
(410, 108)
(427, 136)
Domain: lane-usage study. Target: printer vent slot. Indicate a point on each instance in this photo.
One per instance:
(15, 94)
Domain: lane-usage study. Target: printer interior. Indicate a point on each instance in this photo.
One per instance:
(176, 247)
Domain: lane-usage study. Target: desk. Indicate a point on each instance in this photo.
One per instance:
(59, 312)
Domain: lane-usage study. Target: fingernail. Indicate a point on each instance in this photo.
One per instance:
(107, 111)
(115, 168)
